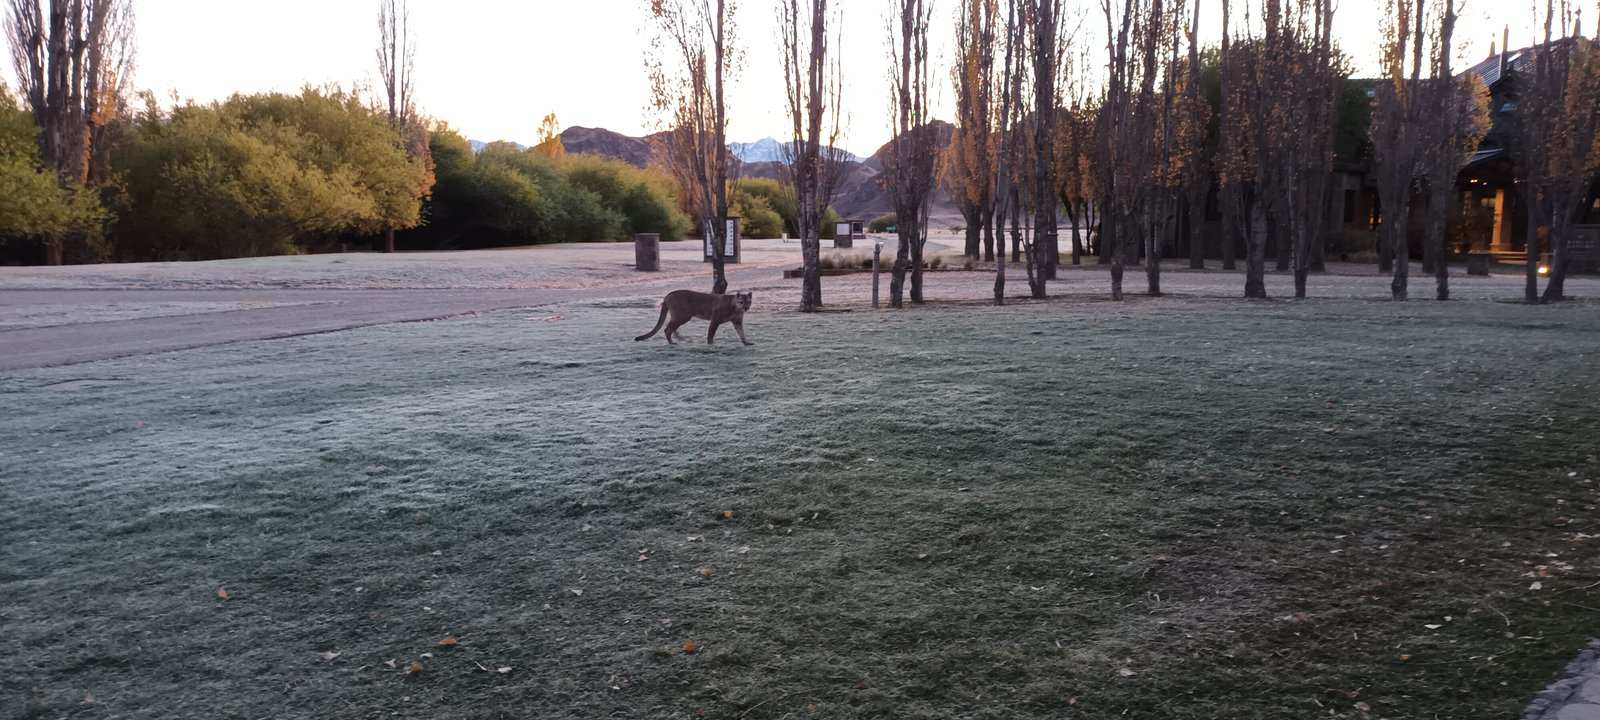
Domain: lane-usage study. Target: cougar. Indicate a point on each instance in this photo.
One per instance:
(686, 305)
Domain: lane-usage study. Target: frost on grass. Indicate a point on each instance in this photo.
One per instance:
(962, 512)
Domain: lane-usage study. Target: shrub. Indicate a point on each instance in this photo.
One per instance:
(263, 175)
(508, 196)
(881, 223)
(759, 221)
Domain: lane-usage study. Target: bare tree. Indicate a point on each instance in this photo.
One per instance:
(1558, 112)
(698, 36)
(1447, 136)
(1235, 163)
(910, 163)
(1396, 127)
(397, 55)
(1295, 92)
(1134, 118)
(969, 163)
(73, 60)
(814, 161)
(1047, 46)
(1194, 125)
(1008, 152)
(1075, 176)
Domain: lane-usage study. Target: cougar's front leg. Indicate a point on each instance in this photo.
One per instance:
(738, 327)
(711, 335)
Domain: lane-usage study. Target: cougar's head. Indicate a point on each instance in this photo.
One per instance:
(743, 299)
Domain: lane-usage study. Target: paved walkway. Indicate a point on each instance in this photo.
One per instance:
(1576, 696)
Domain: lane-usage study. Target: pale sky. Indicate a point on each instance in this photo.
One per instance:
(494, 68)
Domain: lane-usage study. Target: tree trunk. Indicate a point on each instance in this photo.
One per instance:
(1402, 263)
(1231, 228)
(1531, 289)
(1319, 237)
(1255, 267)
(974, 235)
(719, 275)
(1438, 216)
(988, 238)
(1196, 214)
(388, 240)
(1554, 289)
(54, 250)
(916, 266)
(810, 254)
(1302, 259)
(897, 281)
(1152, 257)
(1282, 245)
(1074, 216)
(1385, 250)
(1000, 281)
(1117, 265)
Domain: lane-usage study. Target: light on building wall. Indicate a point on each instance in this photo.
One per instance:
(1544, 269)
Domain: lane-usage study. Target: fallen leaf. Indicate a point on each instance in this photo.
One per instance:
(448, 641)
(1405, 657)
(643, 558)
(222, 593)
(1433, 627)
(480, 666)
(505, 670)
(389, 662)
(88, 698)
(1126, 672)
(690, 647)
(437, 552)
(704, 572)
(415, 668)
(428, 655)
(577, 591)
(330, 655)
(1363, 707)
(727, 514)
(1536, 586)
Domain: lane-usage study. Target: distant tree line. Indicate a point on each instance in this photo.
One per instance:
(87, 177)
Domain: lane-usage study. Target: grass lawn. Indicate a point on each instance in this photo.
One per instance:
(1160, 509)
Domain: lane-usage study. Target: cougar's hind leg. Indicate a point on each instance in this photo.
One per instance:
(672, 331)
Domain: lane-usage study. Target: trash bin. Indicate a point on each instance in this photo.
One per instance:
(647, 252)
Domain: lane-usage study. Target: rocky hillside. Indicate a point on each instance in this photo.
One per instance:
(598, 141)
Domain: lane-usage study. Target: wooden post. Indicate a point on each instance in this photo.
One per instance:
(647, 252)
(877, 251)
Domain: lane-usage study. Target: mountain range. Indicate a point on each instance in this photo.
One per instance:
(770, 150)
(859, 194)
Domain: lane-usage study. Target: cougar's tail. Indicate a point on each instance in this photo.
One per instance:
(659, 322)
